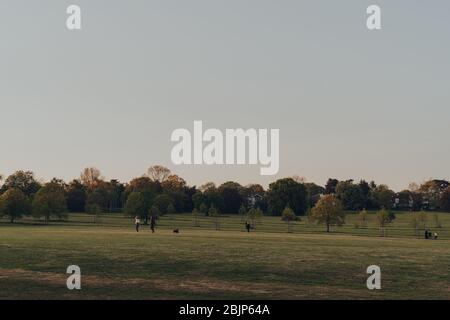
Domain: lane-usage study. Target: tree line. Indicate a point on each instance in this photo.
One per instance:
(159, 192)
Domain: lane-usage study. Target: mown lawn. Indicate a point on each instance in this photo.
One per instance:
(117, 262)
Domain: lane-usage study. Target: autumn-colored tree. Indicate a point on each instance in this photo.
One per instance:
(158, 173)
(328, 211)
(90, 177)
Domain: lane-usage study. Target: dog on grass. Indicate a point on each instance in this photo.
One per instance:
(176, 230)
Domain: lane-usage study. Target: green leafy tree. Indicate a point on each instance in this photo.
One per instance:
(170, 208)
(242, 210)
(76, 196)
(383, 219)
(350, 195)
(23, 181)
(162, 201)
(230, 193)
(382, 197)
(286, 193)
(254, 216)
(288, 216)
(203, 209)
(155, 212)
(444, 200)
(419, 222)
(214, 214)
(50, 201)
(328, 211)
(196, 216)
(137, 205)
(363, 218)
(14, 204)
(437, 221)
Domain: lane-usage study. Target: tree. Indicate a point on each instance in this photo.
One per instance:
(23, 181)
(419, 221)
(230, 192)
(76, 197)
(214, 214)
(288, 216)
(170, 208)
(14, 204)
(328, 211)
(195, 216)
(203, 208)
(313, 192)
(137, 205)
(89, 177)
(163, 201)
(330, 186)
(363, 218)
(437, 221)
(97, 197)
(158, 173)
(382, 197)
(254, 216)
(350, 195)
(155, 212)
(286, 193)
(444, 201)
(50, 201)
(173, 183)
(382, 220)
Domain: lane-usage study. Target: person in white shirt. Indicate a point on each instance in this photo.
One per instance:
(137, 222)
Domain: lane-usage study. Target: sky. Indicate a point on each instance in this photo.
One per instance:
(349, 103)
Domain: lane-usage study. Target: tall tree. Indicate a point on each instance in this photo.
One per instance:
(158, 173)
(328, 211)
(230, 193)
(330, 186)
(23, 181)
(286, 193)
(350, 195)
(288, 216)
(444, 201)
(76, 196)
(137, 205)
(50, 201)
(382, 197)
(14, 204)
(90, 177)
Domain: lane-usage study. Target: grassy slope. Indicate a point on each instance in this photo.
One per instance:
(116, 262)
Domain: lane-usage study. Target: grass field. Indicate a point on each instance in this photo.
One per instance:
(200, 262)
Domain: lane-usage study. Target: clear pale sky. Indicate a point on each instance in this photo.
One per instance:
(349, 102)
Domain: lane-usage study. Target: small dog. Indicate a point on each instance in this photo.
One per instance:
(176, 230)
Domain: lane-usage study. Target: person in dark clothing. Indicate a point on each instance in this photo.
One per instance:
(247, 226)
(426, 234)
(153, 223)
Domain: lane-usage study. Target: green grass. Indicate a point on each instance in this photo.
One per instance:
(200, 262)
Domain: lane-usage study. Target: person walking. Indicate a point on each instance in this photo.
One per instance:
(137, 222)
(247, 226)
(153, 223)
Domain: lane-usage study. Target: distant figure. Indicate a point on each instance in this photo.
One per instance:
(435, 236)
(137, 222)
(176, 230)
(427, 236)
(247, 226)
(153, 223)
